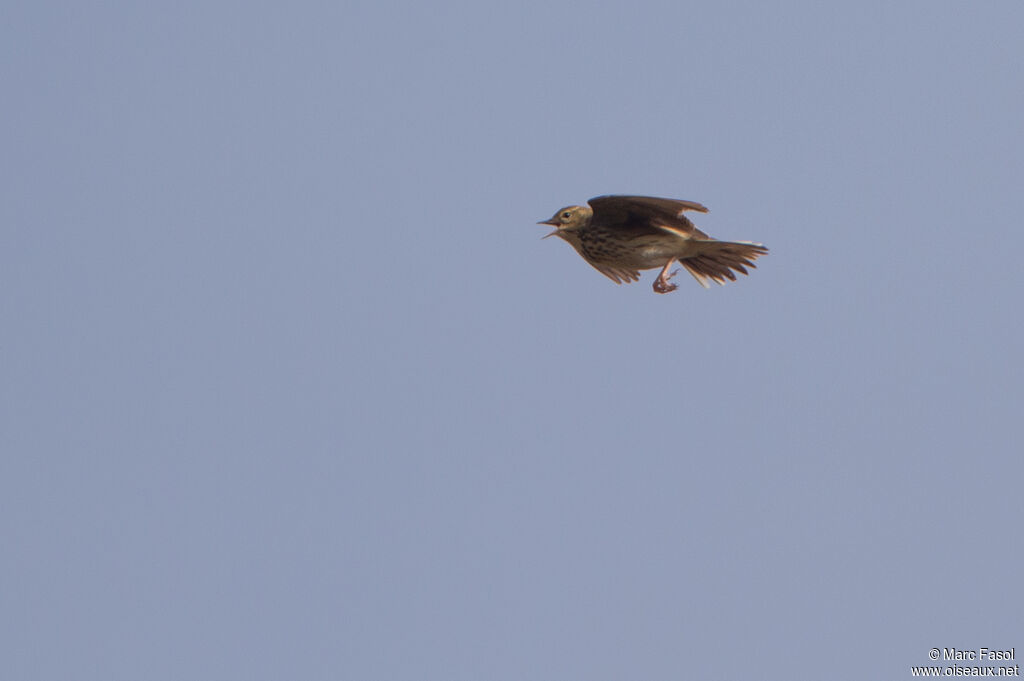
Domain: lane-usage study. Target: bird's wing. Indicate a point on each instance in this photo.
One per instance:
(645, 214)
(618, 274)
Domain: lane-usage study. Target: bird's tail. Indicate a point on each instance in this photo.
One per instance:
(715, 260)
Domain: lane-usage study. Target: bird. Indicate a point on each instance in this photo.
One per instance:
(621, 235)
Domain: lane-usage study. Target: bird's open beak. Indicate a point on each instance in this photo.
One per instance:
(553, 223)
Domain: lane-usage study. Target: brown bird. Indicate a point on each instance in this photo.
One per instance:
(620, 235)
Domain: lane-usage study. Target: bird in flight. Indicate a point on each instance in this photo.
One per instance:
(620, 235)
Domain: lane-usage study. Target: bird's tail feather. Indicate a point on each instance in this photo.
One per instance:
(716, 260)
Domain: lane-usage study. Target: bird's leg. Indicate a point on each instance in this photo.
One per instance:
(661, 284)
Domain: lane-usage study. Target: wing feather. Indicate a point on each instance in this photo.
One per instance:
(645, 214)
(618, 274)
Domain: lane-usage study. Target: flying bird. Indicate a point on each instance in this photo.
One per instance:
(620, 235)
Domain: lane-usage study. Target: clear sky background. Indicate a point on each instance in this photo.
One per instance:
(292, 389)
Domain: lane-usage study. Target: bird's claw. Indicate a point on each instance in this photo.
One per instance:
(661, 284)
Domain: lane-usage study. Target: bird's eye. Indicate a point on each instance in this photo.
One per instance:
(566, 215)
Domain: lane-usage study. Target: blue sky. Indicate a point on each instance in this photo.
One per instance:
(291, 387)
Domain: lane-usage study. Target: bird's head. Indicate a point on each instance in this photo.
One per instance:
(569, 219)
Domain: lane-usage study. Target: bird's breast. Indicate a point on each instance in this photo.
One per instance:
(640, 252)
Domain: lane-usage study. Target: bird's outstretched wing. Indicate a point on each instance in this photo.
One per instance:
(645, 214)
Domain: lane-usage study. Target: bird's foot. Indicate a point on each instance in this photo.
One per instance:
(662, 285)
